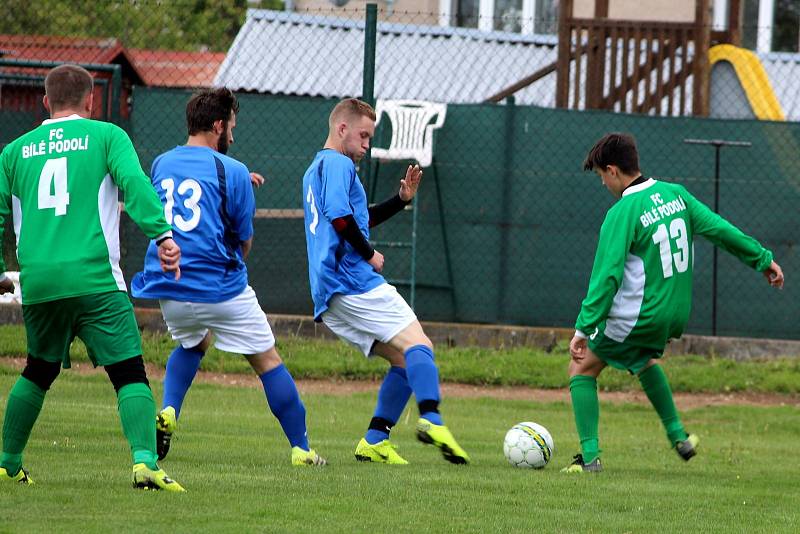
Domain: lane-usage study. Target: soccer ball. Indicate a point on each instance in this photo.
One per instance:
(528, 445)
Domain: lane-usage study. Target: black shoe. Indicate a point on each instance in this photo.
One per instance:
(579, 466)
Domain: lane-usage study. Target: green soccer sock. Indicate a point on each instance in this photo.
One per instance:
(137, 411)
(586, 407)
(24, 404)
(656, 386)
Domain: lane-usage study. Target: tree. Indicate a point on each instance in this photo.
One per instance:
(174, 25)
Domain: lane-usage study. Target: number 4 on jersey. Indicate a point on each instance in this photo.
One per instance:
(54, 177)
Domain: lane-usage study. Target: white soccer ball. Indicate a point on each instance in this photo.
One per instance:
(528, 445)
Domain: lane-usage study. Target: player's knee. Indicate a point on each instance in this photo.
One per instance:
(130, 371)
(425, 340)
(264, 362)
(41, 372)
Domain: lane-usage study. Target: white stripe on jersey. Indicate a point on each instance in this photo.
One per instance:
(16, 208)
(108, 208)
(628, 301)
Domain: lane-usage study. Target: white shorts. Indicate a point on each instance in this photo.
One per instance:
(376, 315)
(239, 324)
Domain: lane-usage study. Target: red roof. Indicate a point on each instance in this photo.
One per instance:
(168, 68)
(52, 48)
(102, 51)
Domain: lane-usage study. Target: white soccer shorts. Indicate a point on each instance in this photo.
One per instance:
(377, 315)
(239, 324)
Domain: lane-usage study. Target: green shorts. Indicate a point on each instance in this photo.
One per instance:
(104, 322)
(631, 358)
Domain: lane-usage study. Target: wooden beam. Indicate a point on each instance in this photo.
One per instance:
(702, 41)
(564, 53)
(279, 214)
(524, 82)
(601, 9)
(735, 16)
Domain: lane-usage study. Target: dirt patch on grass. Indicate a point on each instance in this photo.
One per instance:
(347, 387)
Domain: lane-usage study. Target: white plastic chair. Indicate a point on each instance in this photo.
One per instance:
(413, 123)
(412, 129)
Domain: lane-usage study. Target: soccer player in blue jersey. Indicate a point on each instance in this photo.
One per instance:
(353, 299)
(209, 200)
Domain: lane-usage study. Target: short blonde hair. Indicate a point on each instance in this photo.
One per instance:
(349, 108)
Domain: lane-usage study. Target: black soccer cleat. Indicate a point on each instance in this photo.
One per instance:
(579, 466)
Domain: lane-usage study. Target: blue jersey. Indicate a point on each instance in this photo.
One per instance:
(209, 201)
(331, 189)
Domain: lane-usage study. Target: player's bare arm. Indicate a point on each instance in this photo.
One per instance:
(256, 179)
(169, 254)
(774, 275)
(247, 246)
(6, 285)
(410, 184)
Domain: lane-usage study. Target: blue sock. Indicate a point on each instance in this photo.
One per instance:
(182, 365)
(392, 398)
(285, 403)
(423, 377)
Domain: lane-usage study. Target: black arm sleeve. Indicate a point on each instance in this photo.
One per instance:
(347, 228)
(385, 210)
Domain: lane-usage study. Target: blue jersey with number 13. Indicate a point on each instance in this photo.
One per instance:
(209, 201)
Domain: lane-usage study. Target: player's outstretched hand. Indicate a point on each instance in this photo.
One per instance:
(256, 179)
(376, 261)
(410, 184)
(6, 286)
(774, 275)
(577, 348)
(169, 254)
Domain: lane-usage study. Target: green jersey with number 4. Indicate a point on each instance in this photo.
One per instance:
(61, 181)
(640, 290)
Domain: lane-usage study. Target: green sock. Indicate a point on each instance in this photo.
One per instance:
(655, 385)
(137, 411)
(586, 407)
(24, 404)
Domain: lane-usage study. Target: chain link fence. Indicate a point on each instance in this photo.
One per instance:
(507, 222)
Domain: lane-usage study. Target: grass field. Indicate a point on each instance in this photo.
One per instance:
(233, 459)
(309, 358)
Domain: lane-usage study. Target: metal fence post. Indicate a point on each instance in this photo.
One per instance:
(368, 80)
(116, 90)
(717, 144)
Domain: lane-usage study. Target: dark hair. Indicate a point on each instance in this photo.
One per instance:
(209, 106)
(614, 149)
(66, 86)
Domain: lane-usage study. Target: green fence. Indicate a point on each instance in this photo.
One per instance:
(521, 216)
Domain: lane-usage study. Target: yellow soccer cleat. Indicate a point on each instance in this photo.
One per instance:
(440, 436)
(147, 479)
(21, 477)
(310, 457)
(687, 448)
(383, 452)
(166, 423)
(579, 466)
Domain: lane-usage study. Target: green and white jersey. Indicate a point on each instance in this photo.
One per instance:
(61, 181)
(640, 290)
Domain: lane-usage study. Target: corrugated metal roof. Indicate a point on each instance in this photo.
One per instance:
(289, 53)
(302, 54)
(783, 71)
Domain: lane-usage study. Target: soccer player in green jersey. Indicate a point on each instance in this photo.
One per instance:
(61, 180)
(640, 291)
